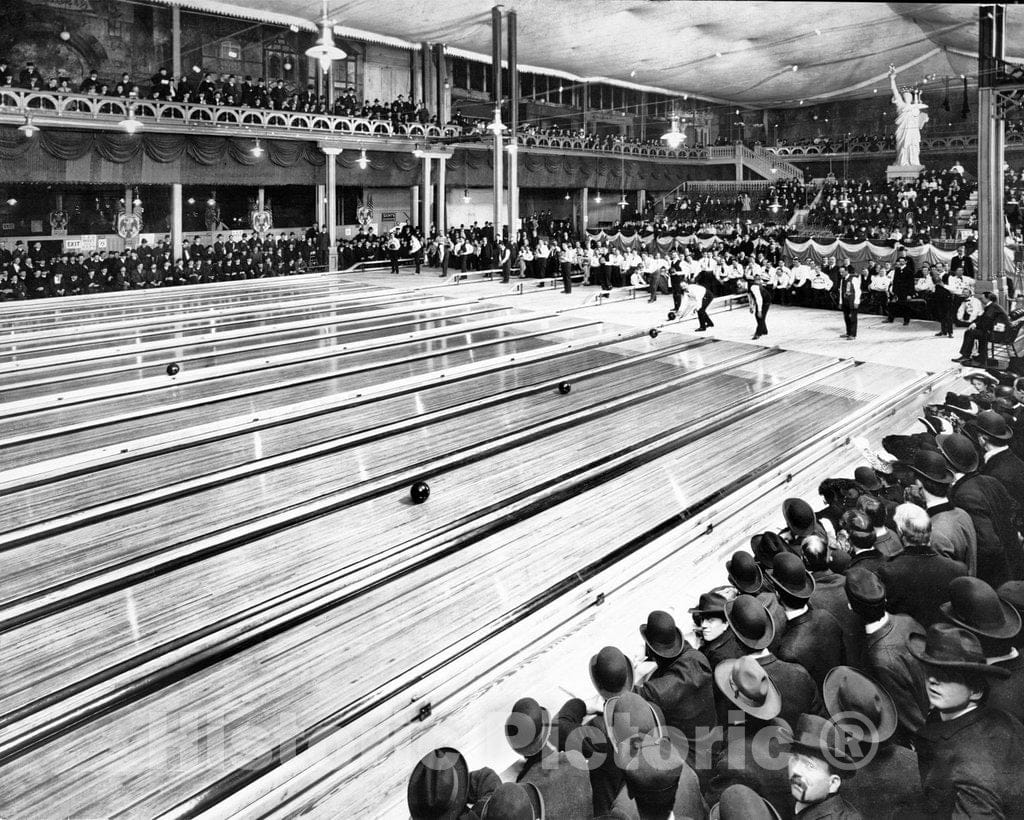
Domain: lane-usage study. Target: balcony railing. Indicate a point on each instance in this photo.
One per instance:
(86, 110)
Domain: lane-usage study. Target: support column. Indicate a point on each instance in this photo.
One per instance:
(641, 200)
(175, 221)
(584, 214)
(331, 164)
(513, 125)
(261, 199)
(991, 239)
(444, 95)
(321, 205)
(442, 196)
(177, 70)
(416, 65)
(426, 202)
(499, 155)
(414, 212)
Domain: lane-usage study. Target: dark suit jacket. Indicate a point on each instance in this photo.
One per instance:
(988, 503)
(870, 559)
(970, 766)
(590, 738)
(724, 647)
(899, 673)
(1008, 694)
(830, 595)
(918, 583)
(889, 786)
(835, 807)
(992, 315)
(737, 762)
(799, 693)
(815, 641)
(684, 691)
(1008, 468)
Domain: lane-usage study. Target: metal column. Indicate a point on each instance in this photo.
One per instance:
(513, 125)
(499, 156)
(332, 152)
(442, 196)
(991, 238)
(425, 203)
(414, 211)
(175, 221)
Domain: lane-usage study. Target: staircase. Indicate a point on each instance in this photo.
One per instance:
(964, 215)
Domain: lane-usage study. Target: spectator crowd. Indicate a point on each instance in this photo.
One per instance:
(862, 660)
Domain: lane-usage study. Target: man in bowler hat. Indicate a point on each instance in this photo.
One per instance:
(441, 787)
(750, 622)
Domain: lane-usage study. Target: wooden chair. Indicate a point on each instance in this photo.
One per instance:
(1007, 344)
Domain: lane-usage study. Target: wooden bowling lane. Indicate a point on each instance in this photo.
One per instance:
(339, 662)
(546, 655)
(191, 323)
(100, 487)
(169, 405)
(262, 348)
(236, 598)
(303, 488)
(104, 307)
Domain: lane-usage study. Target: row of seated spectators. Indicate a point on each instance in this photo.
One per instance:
(606, 142)
(858, 661)
(33, 272)
(224, 89)
(927, 208)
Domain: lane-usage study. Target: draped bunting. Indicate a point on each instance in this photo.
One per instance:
(862, 253)
(634, 241)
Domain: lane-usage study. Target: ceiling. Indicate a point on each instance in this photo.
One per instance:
(734, 52)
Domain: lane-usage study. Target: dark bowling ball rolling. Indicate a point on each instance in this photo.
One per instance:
(671, 315)
(564, 388)
(419, 492)
(653, 333)
(172, 369)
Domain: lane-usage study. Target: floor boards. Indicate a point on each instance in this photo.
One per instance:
(172, 616)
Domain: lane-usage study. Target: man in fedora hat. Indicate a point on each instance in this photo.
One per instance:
(988, 503)
(717, 642)
(681, 685)
(743, 803)
(749, 751)
(564, 787)
(1013, 593)
(888, 783)
(612, 675)
(829, 595)
(441, 787)
(813, 638)
(887, 657)
(511, 801)
(917, 581)
(975, 606)
(952, 529)
(747, 578)
(750, 622)
(654, 769)
(969, 753)
(819, 762)
(994, 435)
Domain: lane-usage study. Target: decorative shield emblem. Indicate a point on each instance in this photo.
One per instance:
(128, 225)
(262, 221)
(364, 213)
(59, 220)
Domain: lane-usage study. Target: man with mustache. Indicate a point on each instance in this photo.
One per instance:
(818, 762)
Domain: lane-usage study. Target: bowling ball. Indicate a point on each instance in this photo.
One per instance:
(671, 315)
(172, 369)
(653, 333)
(564, 387)
(419, 492)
